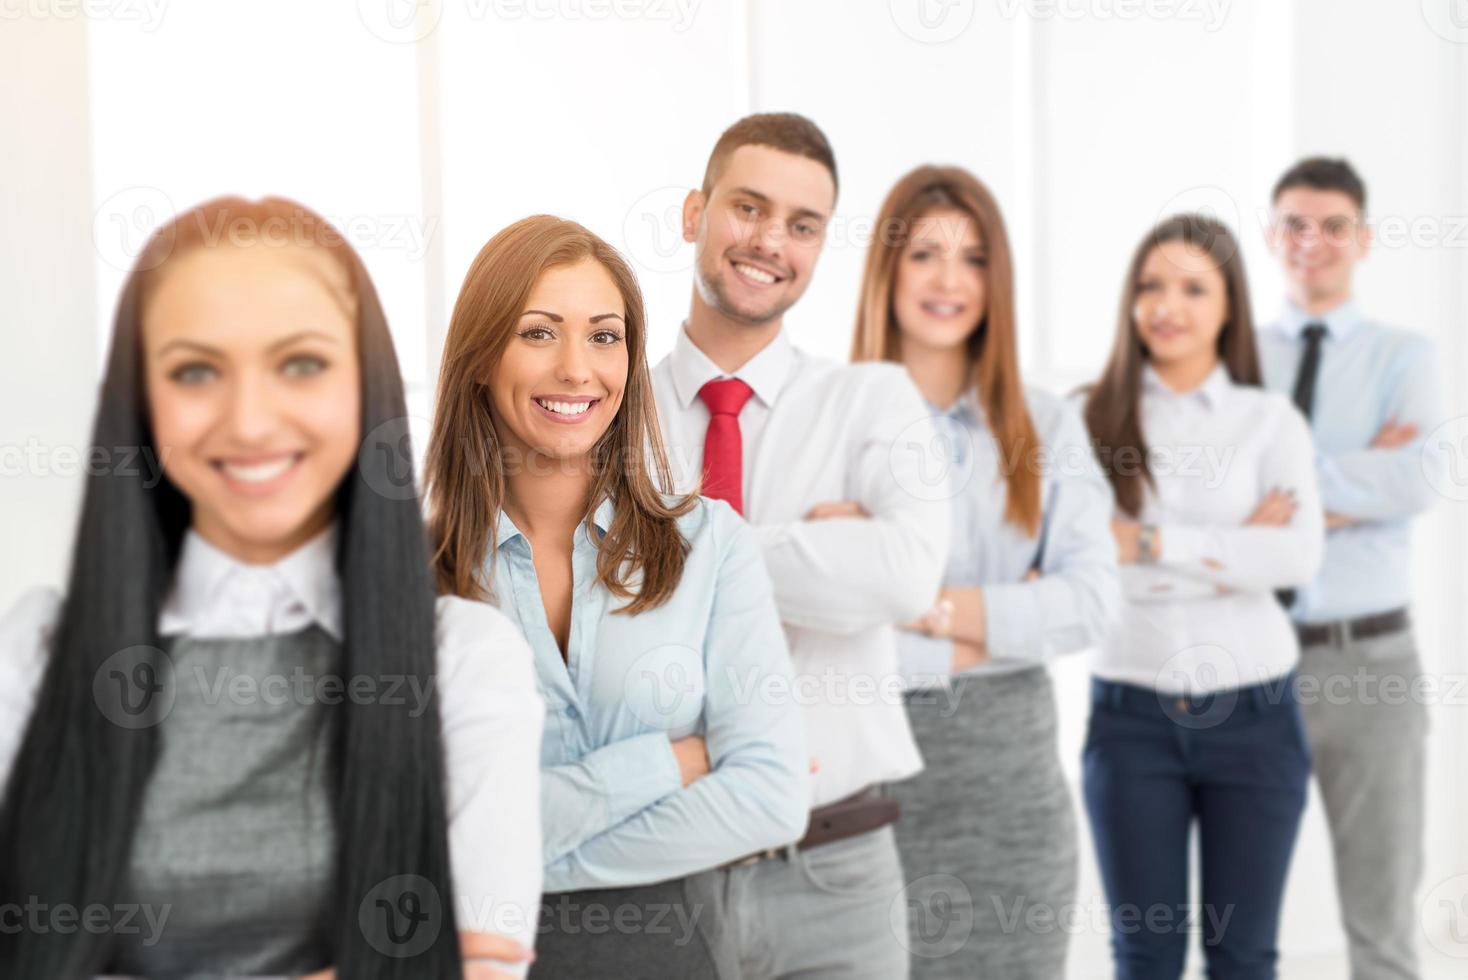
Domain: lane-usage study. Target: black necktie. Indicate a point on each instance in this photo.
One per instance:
(1313, 333)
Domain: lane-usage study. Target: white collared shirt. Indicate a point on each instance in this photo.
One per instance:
(818, 431)
(491, 711)
(1205, 617)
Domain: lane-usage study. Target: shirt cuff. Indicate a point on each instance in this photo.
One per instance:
(635, 773)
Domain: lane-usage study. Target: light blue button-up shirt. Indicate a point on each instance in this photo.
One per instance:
(710, 661)
(1369, 374)
(1078, 595)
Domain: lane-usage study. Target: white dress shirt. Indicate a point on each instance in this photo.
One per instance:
(818, 431)
(1077, 597)
(491, 711)
(1204, 617)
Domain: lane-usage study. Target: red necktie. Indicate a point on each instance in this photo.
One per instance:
(723, 448)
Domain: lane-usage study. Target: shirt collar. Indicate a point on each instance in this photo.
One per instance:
(1339, 321)
(208, 583)
(765, 372)
(506, 531)
(1209, 394)
(966, 408)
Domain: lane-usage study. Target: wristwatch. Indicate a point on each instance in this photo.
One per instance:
(1147, 544)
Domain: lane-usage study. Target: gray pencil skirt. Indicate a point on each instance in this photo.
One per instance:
(988, 833)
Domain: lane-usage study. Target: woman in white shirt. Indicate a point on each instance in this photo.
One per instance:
(1194, 719)
(228, 749)
(987, 829)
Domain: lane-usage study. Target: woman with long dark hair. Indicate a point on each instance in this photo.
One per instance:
(1194, 721)
(248, 739)
(1031, 575)
(673, 744)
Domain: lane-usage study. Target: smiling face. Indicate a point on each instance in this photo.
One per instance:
(939, 289)
(1318, 236)
(759, 232)
(560, 380)
(1181, 304)
(254, 391)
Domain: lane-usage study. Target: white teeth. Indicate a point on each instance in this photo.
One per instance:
(758, 275)
(258, 472)
(564, 408)
(942, 309)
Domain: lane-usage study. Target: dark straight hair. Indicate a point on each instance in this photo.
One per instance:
(1113, 409)
(71, 804)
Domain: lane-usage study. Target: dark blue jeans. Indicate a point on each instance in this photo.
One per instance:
(1237, 763)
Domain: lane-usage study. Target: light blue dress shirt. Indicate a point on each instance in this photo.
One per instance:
(1369, 374)
(1078, 595)
(710, 661)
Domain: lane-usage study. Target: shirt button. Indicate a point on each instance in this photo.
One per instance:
(572, 713)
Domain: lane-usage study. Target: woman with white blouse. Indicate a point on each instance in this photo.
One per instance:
(987, 829)
(673, 745)
(247, 740)
(1194, 720)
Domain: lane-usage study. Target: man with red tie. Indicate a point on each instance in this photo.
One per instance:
(830, 464)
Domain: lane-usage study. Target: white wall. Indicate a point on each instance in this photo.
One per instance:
(427, 127)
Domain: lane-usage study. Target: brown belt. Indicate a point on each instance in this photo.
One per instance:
(860, 813)
(1358, 629)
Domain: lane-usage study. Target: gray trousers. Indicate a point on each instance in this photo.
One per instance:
(1367, 732)
(834, 912)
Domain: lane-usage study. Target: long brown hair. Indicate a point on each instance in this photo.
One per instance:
(641, 556)
(992, 346)
(1113, 403)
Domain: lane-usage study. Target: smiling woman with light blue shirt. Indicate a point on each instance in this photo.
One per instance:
(987, 831)
(673, 745)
